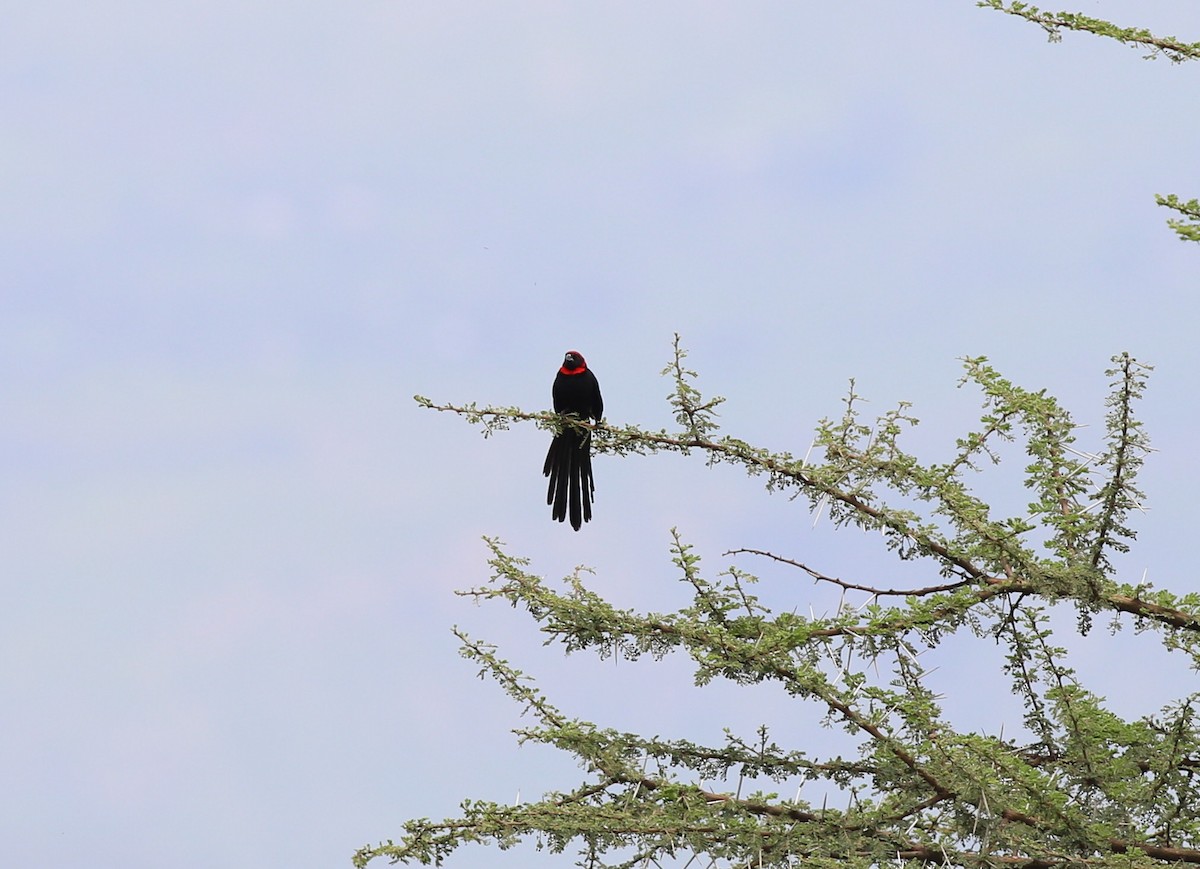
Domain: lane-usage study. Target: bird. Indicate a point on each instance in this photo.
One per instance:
(576, 394)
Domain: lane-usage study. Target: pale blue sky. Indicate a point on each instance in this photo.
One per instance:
(235, 238)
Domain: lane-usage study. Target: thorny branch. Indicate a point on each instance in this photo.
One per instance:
(853, 586)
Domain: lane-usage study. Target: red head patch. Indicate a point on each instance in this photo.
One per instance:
(573, 363)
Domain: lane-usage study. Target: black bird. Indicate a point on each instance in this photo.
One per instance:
(569, 462)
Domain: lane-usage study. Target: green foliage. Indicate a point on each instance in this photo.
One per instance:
(1177, 51)
(1187, 229)
(1054, 23)
(1076, 785)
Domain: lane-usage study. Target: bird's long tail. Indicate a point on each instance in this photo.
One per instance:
(569, 467)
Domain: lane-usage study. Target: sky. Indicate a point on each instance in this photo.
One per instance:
(237, 238)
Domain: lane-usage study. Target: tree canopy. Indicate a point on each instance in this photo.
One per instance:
(1077, 784)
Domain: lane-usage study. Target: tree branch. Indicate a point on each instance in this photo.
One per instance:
(851, 586)
(1055, 22)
